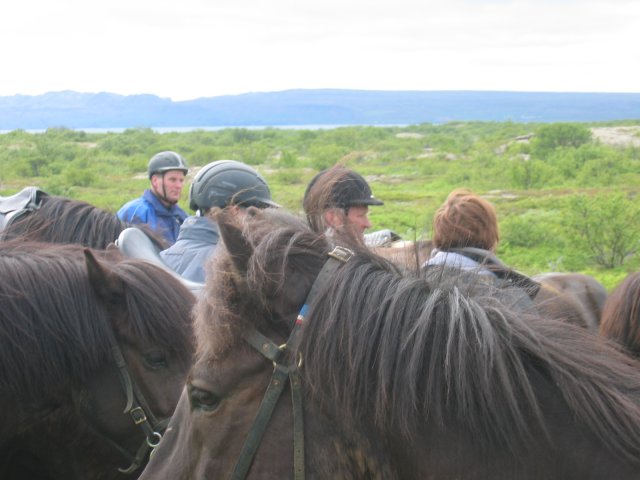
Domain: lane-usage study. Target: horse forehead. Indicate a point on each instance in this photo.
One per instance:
(232, 293)
(218, 370)
(296, 287)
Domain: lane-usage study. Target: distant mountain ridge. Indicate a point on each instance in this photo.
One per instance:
(310, 107)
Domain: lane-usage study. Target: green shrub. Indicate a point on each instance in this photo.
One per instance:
(79, 177)
(607, 226)
(559, 135)
(531, 230)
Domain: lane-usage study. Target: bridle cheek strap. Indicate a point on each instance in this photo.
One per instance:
(267, 406)
(141, 414)
(282, 373)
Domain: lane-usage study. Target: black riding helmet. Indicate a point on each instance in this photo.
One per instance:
(228, 182)
(350, 189)
(165, 161)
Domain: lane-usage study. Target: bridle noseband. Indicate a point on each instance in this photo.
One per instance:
(283, 372)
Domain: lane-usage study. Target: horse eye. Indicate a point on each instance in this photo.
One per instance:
(203, 399)
(156, 359)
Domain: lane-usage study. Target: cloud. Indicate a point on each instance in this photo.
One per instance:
(203, 48)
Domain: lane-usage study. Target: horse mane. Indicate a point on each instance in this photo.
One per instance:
(53, 328)
(621, 314)
(64, 220)
(402, 348)
(414, 347)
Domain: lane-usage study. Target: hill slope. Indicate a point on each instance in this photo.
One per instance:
(310, 107)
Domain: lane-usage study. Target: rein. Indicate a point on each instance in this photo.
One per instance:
(281, 373)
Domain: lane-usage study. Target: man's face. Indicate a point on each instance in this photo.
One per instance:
(358, 216)
(356, 219)
(168, 187)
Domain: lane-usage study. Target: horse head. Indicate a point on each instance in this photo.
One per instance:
(110, 362)
(263, 273)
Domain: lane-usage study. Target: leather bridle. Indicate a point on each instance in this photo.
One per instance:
(283, 371)
(138, 409)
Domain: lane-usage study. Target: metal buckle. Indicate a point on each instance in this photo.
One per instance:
(342, 254)
(138, 415)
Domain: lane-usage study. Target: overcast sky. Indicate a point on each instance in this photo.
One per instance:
(202, 48)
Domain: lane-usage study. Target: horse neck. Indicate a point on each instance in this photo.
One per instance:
(571, 453)
(338, 449)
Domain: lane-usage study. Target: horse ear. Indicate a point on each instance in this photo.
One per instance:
(239, 249)
(107, 285)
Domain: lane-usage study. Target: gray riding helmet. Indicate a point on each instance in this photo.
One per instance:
(164, 161)
(228, 182)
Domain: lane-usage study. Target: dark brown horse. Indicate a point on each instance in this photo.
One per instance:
(586, 292)
(63, 220)
(621, 315)
(93, 356)
(401, 377)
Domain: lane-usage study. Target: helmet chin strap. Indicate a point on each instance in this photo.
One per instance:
(164, 194)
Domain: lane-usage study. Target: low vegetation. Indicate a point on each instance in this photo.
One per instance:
(566, 198)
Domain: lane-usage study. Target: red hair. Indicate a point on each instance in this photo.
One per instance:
(465, 220)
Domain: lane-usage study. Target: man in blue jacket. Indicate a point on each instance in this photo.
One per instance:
(158, 205)
(221, 184)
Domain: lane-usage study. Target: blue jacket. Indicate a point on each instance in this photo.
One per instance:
(149, 210)
(196, 243)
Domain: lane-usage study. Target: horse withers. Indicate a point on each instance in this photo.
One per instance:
(373, 372)
(94, 352)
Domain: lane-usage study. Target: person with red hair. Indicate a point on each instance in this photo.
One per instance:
(466, 236)
(465, 228)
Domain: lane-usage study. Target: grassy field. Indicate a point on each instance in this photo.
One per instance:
(536, 175)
